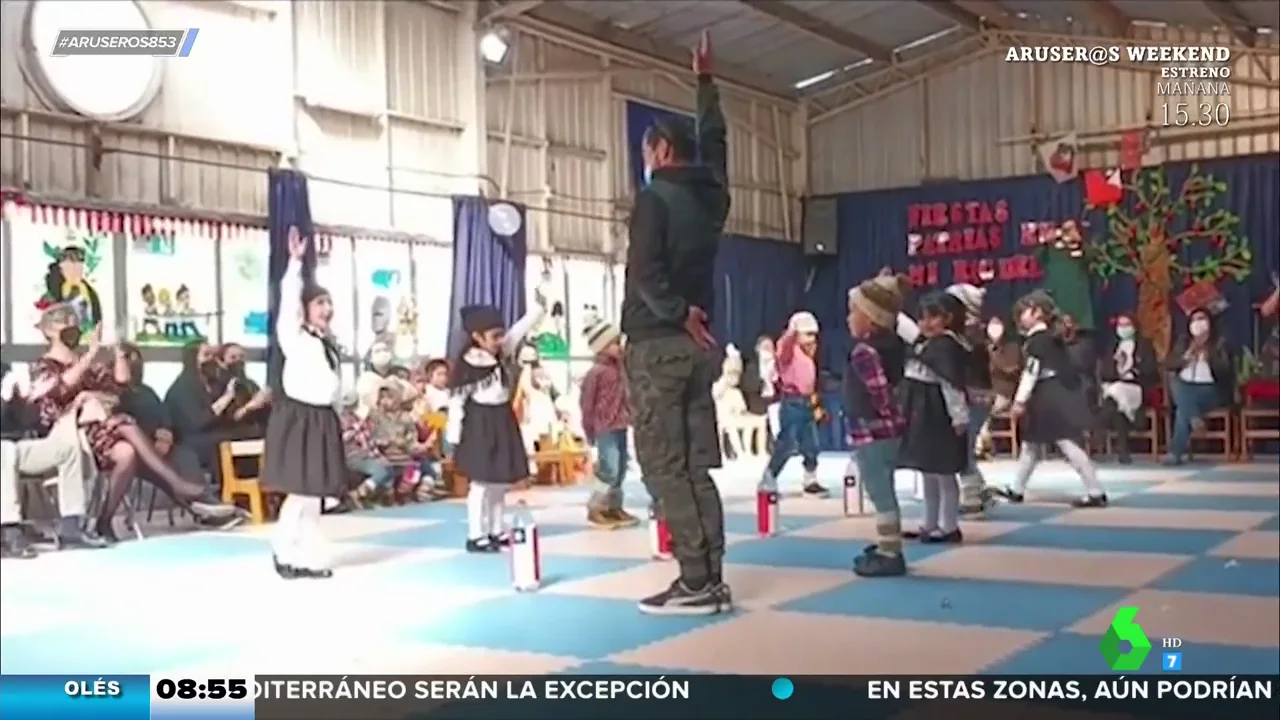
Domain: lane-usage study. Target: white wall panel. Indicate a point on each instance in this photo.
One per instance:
(557, 142)
(962, 123)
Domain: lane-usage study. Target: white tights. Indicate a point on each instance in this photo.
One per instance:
(1030, 455)
(941, 503)
(486, 509)
(297, 540)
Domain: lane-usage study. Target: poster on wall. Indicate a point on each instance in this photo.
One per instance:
(433, 272)
(386, 307)
(586, 301)
(551, 335)
(246, 254)
(333, 273)
(62, 255)
(172, 295)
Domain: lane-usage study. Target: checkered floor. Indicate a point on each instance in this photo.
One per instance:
(1031, 591)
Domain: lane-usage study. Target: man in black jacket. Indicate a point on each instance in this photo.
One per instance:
(667, 304)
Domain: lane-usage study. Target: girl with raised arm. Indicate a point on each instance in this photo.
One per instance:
(303, 457)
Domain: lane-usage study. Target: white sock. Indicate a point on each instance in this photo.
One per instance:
(932, 501)
(286, 538)
(1079, 461)
(1028, 458)
(496, 503)
(477, 511)
(949, 508)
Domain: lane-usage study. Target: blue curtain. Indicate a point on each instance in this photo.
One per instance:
(488, 268)
(640, 117)
(873, 228)
(759, 283)
(288, 205)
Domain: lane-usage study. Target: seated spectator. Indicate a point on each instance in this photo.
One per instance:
(62, 376)
(1203, 379)
(58, 454)
(138, 400)
(1125, 373)
(395, 435)
(378, 372)
(377, 475)
(1080, 350)
(199, 405)
(250, 404)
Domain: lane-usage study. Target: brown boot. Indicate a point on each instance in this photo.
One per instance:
(601, 519)
(623, 518)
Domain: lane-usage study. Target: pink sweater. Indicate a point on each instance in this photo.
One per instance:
(797, 372)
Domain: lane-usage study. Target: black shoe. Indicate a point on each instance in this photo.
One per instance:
(1125, 459)
(814, 489)
(874, 563)
(14, 545)
(78, 538)
(1090, 501)
(288, 572)
(226, 522)
(312, 574)
(483, 545)
(500, 541)
(679, 599)
(912, 535)
(953, 537)
(105, 529)
(1009, 494)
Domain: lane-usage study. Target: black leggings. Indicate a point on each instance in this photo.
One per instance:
(135, 456)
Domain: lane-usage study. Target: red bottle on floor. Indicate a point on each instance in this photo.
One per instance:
(659, 537)
(526, 556)
(767, 512)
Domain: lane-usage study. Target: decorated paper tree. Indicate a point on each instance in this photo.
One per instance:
(1147, 240)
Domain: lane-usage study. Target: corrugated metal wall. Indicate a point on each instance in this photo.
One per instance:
(962, 123)
(557, 139)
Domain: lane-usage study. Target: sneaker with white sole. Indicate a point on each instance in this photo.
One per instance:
(680, 599)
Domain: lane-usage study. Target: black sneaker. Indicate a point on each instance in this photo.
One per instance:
(874, 563)
(816, 490)
(679, 599)
(913, 535)
(1009, 494)
(483, 545)
(1090, 501)
(302, 573)
(79, 538)
(14, 545)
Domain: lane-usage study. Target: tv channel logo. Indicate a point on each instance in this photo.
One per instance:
(1124, 629)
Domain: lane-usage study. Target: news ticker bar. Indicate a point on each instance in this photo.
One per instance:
(671, 697)
(147, 43)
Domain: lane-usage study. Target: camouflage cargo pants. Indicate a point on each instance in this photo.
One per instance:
(677, 444)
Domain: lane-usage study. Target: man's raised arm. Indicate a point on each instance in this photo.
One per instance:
(712, 130)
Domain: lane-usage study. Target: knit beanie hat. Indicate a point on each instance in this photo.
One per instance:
(970, 296)
(880, 299)
(803, 322)
(600, 335)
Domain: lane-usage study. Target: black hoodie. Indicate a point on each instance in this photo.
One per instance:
(675, 231)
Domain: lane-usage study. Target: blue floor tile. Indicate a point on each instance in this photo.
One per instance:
(1155, 500)
(185, 549)
(109, 648)
(1225, 576)
(813, 553)
(494, 571)
(564, 625)
(743, 524)
(1077, 537)
(1071, 654)
(424, 511)
(447, 534)
(1272, 525)
(1045, 608)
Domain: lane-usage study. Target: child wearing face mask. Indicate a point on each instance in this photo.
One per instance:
(1124, 375)
(1203, 380)
(937, 410)
(488, 447)
(1050, 404)
(797, 383)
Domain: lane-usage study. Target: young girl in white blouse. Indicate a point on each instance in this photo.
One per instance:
(303, 455)
(488, 447)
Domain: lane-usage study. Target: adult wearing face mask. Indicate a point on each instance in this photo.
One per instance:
(1125, 373)
(1082, 353)
(380, 372)
(251, 403)
(198, 402)
(1203, 379)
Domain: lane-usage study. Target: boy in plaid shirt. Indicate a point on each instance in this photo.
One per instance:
(876, 421)
(361, 453)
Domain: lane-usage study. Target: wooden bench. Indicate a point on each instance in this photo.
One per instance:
(1151, 437)
(233, 485)
(559, 467)
(1257, 424)
(1219, 430)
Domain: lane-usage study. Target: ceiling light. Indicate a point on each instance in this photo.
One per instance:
(493, 47)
